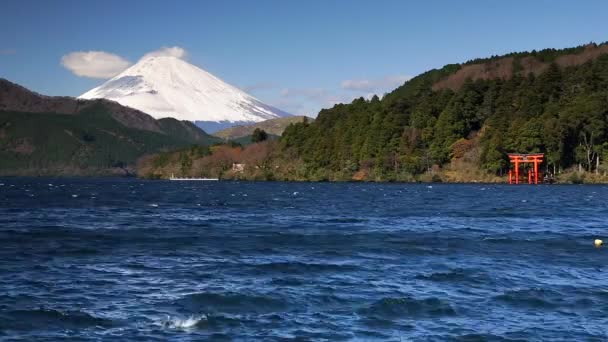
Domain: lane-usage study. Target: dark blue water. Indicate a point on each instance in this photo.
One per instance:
(117, 259)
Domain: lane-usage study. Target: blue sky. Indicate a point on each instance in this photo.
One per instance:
(300, 56)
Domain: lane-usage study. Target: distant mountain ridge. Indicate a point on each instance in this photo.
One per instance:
(523, 64)
(44, 135)
(14, 97)
(166, 86)
(272, 126)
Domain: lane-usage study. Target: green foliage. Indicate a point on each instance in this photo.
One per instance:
(259, 135)
(187, 131)
(248, 140)
(198, 151)
(545, 55)
(561, 111)
(84, 143)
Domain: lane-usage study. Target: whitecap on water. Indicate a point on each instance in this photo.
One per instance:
(187, 323)
(74, 196)
(154, 205)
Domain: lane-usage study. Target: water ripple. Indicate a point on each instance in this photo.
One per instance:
(151, 260)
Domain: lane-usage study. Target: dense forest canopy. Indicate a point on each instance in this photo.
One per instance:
(550, 101)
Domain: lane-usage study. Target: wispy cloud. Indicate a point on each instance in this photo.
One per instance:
(102, 64)
(6, 52)
(172, 51)
(291, 106)
(321, 96)
(308, 101)
(318, 94)
(374, 85)
(94, 64)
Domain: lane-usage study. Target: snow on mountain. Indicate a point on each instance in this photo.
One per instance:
(167, 86)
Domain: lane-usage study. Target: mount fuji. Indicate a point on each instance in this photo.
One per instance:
(167, 86)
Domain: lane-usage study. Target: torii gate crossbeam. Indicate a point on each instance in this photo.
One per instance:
(517, 159)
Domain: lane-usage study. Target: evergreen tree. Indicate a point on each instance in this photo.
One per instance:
(542, 106)
(259, 135)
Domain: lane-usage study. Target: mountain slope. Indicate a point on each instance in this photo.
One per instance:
(466, 118)
(521, 64)
(42, 135)
(165, 86)
(272, 126)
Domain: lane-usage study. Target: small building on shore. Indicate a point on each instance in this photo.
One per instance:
(238, 167)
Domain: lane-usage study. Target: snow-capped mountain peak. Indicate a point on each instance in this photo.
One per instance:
(167, 86)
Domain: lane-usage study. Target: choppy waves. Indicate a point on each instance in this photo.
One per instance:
(28, 319)
(231, 303)
(408, 307)
(185, 323)
(133, 260)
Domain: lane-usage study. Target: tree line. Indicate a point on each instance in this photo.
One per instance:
(561, 111)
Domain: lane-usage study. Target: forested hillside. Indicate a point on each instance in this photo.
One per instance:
(42, 135)
(466, 117)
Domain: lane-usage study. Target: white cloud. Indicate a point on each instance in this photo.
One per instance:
(101, 64)
(375, 85)
(172, 51)
(94, 64)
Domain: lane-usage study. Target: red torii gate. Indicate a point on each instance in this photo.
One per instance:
(516, 159)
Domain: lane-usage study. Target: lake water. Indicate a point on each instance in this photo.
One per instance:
(125, 259)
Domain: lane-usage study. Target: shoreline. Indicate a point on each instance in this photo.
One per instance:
(603, 181)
